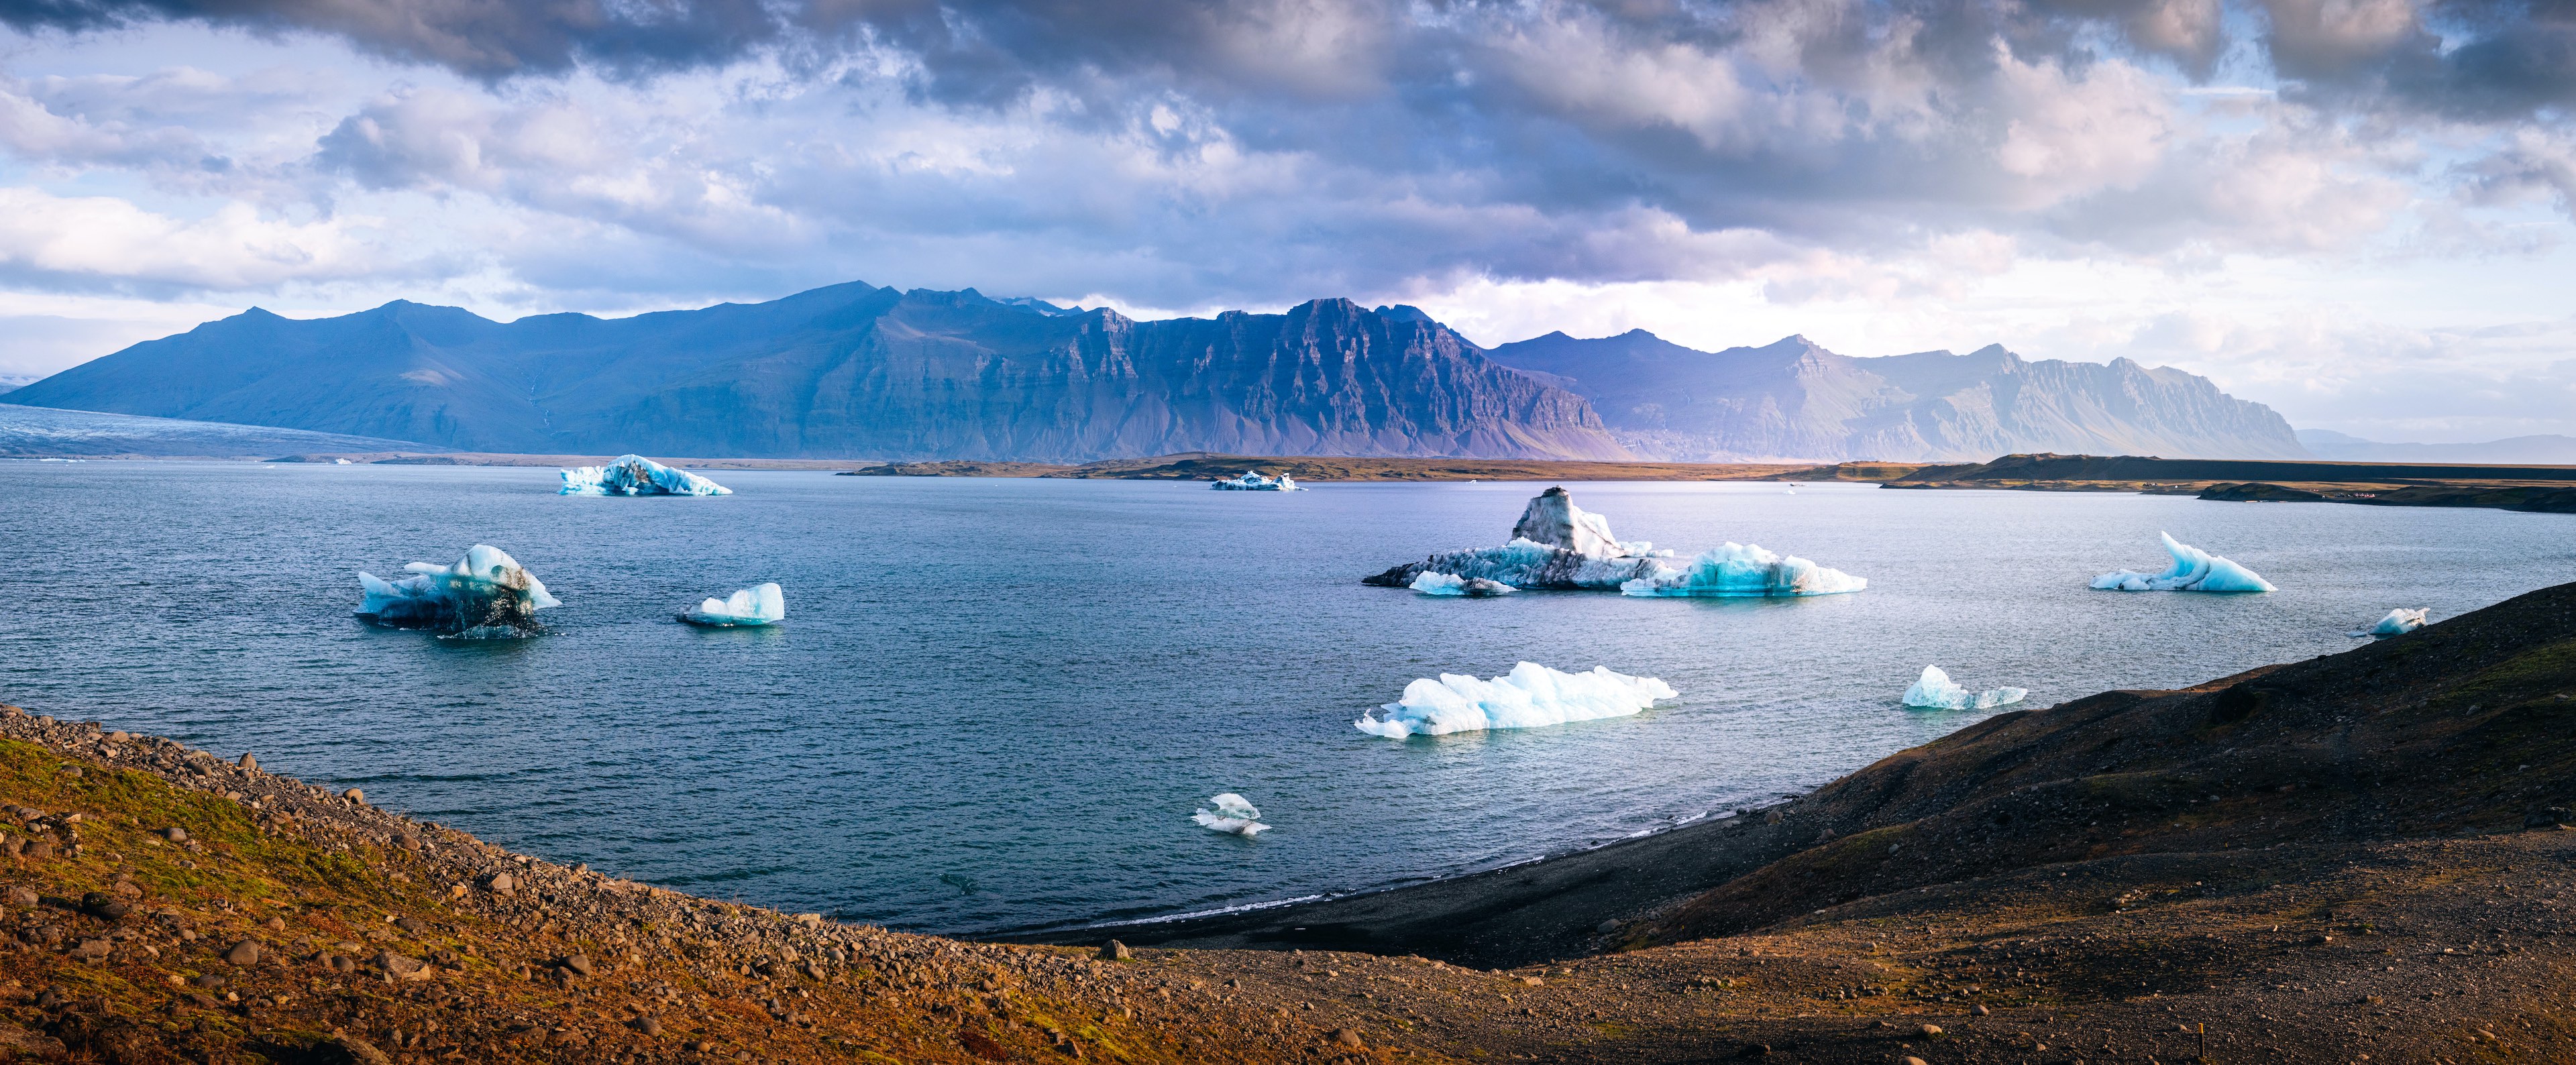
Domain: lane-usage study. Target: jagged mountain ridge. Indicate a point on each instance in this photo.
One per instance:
(1792, 399)
(855, 371)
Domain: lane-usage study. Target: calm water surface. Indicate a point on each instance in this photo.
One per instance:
(996, 702)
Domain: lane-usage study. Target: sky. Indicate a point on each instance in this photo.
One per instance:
(2356, 211)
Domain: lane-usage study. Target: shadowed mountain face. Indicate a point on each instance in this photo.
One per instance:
(1795, 400)
(855, 371)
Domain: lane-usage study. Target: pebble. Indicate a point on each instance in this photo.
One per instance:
(579, 963)
(1349, 1037)
(174, 834)
(1916, 1061)
(1115, 951)
(354, 795)
(646, 1025)
(245, 952)
(1931, 1030)
(248, 762)
(23, 896)
(1979, 1010)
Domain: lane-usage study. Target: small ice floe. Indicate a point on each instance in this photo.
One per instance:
(635, 475)
(1934, 690)
(2194, 570)
(758, 605)
(1253, 481)
(484, 596)
(1233, 813)
(2399, 622)
(1430, 583)
(1530, 696)
(1735, 569)
(342, 462)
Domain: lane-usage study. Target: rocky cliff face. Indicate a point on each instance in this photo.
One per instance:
(856, 371)
(1795, 400)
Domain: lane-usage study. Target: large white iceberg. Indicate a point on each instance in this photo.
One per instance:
(487, 594)
(1745, 569)
(1253, 481)
(2194, 570)
(1233, 813)
(761, 605)
(2399, 622)
(1935, 690)
(1430, 583)
(1559, 546)
(635, 475)
(1530, 696)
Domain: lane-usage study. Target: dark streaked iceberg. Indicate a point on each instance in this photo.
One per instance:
(485, 595)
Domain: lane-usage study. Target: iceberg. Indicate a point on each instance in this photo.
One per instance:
(2399, 622)
(1561, 547)
(485, 595)
(1745, 569)
(1233, 813)
(1252, 481)
(1447, 584)
(1934, 690)
(635, 475)
(1530, 696)
(2194, 570)
(759, 605)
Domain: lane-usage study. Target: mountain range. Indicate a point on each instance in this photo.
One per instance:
(857, 371)
(2543, 450)
(1794, 399)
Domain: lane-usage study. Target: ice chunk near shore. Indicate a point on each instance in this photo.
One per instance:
(1233, 813)
(759, 605)
(635, 475)
(1253, 481)
(487, 594)
(2194, 570)
(1530, 696)
(2399, 622)
(1745, 570)
(1448, 584)
(1935, 690)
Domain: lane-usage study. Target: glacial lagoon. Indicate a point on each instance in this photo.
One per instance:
(997, 703)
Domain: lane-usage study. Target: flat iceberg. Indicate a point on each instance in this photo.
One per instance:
(1530, 696)
(1935, 690)
(1447, 584)
(760, 605)
(635, 475)
(1745, 569)
(2194, 570)
(1252, 481)
(1233, 813)
(2399, 622)
(485, 595)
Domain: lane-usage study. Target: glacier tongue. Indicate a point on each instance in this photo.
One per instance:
(1935, 690)
(1745, 569)
(486, 594)
(759, 605)
(1530, 696)
(2194, 570)
(1233, 813)
(635, 475)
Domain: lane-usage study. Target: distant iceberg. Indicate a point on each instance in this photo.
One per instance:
(1746, 569)
(1934, 690)
(1233, 813)
(485, 595)
(1447, 584)
(1561, 547)
(2399, 622)
(1530, 696)
(635, 475)
(760, 605)
(1252, 481)
(2194, 570)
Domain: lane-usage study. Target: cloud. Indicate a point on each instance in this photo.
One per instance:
(102, 242)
